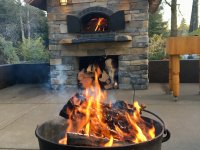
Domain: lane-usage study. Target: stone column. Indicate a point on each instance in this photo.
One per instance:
(64, 72)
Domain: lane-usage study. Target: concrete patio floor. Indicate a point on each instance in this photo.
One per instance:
(23, 107)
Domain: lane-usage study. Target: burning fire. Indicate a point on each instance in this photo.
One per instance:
(110, 143)
(90, 119)
(99, 23)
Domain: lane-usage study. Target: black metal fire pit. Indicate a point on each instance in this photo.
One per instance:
(51, 132)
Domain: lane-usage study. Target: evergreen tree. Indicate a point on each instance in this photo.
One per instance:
(156, 24)
(183, 28)
(194, 16)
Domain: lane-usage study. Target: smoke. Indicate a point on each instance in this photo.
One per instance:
(62, 78)
(58, 78)
(111, 97)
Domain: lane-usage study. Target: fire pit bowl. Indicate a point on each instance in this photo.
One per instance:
(50, 132)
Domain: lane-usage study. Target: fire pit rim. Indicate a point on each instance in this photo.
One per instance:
(164, 131)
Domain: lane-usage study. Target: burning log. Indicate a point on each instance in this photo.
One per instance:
(112, 115)
(75, 139)
(87, 114)
(118, 108)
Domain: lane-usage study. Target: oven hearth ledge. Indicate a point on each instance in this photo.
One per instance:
(97, 39)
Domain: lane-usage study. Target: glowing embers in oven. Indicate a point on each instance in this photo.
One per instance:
(96, 23)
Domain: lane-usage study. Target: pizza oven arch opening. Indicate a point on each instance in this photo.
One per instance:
(96, 20)
(95, 23)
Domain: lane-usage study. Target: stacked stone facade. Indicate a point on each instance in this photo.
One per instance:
(132, 55)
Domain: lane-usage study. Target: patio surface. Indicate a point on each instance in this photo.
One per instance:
(23, 107)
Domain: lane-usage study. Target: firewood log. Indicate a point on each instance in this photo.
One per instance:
(81, 75)
(112, 115)
(110, 69)
(93, 68)
(108, 86)
(104, 77)
(75, 139)
(85, 79)
(90, 69)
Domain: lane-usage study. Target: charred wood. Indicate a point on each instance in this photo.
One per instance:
(75, 139)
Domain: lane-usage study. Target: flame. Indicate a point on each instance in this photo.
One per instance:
(100, 20)
(87, 129)
(93, 121)
(69, 129)
(63, 141)
(152, 132)
(110, 143)
(140, 137)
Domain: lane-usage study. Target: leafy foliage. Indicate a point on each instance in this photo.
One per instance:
(157, 31)
(33, 50)
(8, 53)
(157, 47)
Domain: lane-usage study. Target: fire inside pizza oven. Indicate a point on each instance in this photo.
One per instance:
(95, 22)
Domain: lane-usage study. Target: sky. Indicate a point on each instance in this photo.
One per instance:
(185, 9)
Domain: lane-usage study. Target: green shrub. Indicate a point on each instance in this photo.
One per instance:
(195, 33)
(157, 48)
(33, 51)
(8, 54)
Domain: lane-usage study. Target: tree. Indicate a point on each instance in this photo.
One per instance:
(194, 16)
(183, 28)
(33, 50)
(156, 24)
(173, 6)
(17, 24)
(35, 23)
(9, 20)
(21, 21)
(157, 48)
(8, 54)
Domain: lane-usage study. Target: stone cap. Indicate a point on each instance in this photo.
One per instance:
(97, 39)
(41, 4)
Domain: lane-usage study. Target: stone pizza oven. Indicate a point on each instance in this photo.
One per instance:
(84, 31)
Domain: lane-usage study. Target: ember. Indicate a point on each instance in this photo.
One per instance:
(90, 118)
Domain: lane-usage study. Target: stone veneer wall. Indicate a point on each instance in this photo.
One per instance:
(133, 61)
